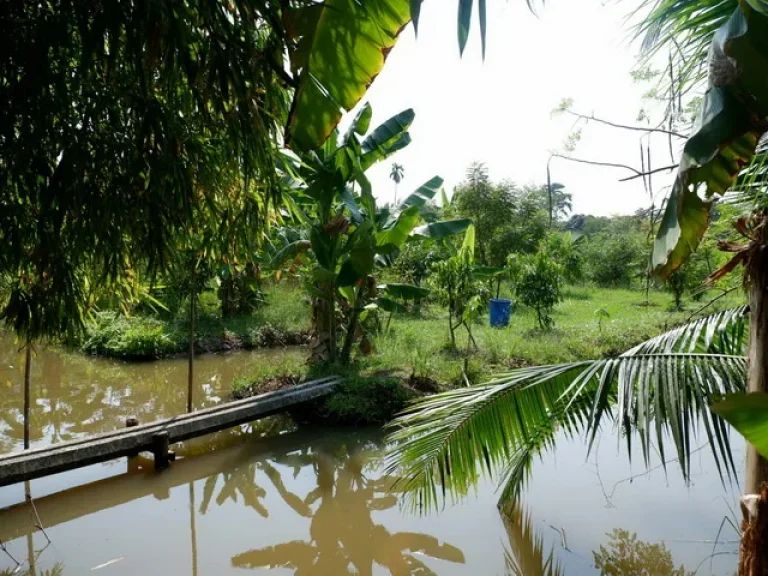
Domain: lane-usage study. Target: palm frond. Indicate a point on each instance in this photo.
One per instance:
(684, 28)
(442, 445)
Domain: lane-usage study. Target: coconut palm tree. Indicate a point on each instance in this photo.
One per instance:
(397, 174)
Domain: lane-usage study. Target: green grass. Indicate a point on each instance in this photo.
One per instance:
(417, 345)
(283, 320)
(421, 345)
(378, 386)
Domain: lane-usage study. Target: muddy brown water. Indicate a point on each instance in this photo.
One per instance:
(270, 497)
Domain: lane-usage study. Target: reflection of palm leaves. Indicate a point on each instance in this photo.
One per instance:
(342, 532)
(240, 481)
(526, 557)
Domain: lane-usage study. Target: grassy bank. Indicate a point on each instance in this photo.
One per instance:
(420, 344)
(282, 321)
(414, 355)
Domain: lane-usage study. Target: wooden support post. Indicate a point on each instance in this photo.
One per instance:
(160, 449)
(131, 422)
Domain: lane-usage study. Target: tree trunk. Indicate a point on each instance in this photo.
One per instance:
(27, 390)
(757, 467)
(349, 337)
(191, 354)
(753, 560)
(324, 326)
(227, 296)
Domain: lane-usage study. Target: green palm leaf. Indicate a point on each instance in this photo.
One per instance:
(442, 445)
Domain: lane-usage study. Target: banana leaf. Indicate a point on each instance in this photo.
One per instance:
(443, 228)
(402, 228)
(487, 272)
(731, 122)
(404, 291)
(341, 48)
(289, 252)
(424, 193)
(387, 139)
(748, 413)
(389, 305)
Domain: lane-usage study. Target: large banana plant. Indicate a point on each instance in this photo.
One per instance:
(733, 118)
(350, 236)
(339, 47)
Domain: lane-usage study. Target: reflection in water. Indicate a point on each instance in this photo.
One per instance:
(333, 486)
(74, 395)
(625, 555)
(343, 537)
(192, 528)
(271, 497)
(525, 555)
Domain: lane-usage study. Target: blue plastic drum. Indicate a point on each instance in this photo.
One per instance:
(500, 311)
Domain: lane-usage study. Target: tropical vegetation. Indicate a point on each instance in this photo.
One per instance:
(166, 163)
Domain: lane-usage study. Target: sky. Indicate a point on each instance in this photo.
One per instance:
(499, 111)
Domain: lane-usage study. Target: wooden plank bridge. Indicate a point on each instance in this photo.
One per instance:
(84, 499)
(156, 436)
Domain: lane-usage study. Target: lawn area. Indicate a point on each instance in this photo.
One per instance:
(419, 345)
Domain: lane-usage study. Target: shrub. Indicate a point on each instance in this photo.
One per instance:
(457, 288)
(614, 259)
(359, 401)
(538, 279)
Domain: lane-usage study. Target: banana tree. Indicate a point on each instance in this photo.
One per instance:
(662, 388)
(350, 237)
(338, 47)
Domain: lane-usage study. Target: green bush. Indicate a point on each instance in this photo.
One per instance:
(361, 401)
(137, 337)
(538, 280)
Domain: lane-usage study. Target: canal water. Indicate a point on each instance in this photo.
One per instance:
(273, 497)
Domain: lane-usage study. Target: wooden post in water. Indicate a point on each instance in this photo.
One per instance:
(131, 422)
(27, 390)
(192, 527)
(160, 450)
(192, 313)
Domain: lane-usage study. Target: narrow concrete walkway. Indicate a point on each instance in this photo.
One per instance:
(156, 436)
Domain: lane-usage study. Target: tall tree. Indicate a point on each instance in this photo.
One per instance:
(117, 121)
(397, 173)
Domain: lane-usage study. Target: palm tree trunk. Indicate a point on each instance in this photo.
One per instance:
(753, 560)
(27, 390)
(191, 353)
